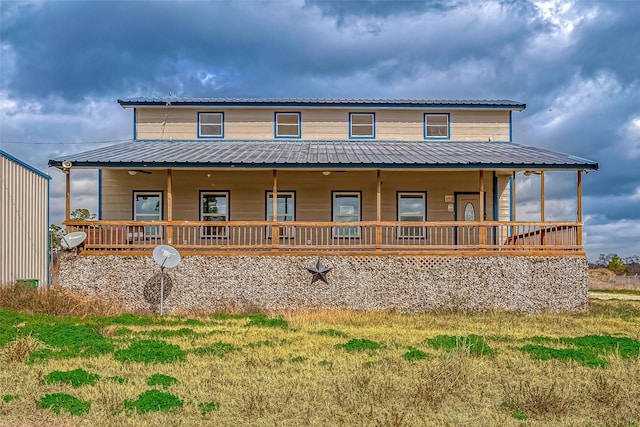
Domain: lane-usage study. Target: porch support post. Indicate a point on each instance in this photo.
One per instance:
(579, 230)
(170, 205)
(482, 235)
(275, 230)
(542, 196)
(543, 227)
(67, 183)
(513, 196)
(378, 211)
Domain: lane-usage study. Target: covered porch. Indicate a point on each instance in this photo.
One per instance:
(467, 191)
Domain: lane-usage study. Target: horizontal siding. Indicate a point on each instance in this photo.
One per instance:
(320, 124)
(313, 191)
(24, 208)
(504, 198)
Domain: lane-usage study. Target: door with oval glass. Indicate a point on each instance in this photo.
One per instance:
(467, 210)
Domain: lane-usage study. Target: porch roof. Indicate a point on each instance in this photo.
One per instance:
(350, 154)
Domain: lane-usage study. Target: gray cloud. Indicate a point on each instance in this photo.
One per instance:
(574, 64)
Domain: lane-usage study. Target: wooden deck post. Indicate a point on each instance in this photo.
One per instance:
(275, 230)
(513, 196)
(542, 227)
(378, 211)
(482, 235)
(579, 229)
(169, 205)
(67, 183)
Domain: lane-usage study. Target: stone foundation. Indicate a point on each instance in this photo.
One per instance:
(411, 284)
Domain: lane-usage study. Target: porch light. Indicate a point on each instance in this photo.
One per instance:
(134, 172)
(326, 173)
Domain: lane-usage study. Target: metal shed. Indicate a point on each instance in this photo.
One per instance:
(24, 221)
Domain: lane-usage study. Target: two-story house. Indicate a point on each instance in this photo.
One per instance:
(412, 203)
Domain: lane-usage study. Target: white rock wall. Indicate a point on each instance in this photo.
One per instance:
(219, 283)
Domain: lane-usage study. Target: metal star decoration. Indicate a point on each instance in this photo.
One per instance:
(319, 272)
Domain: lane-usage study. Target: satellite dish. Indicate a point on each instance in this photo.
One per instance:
(72, 240)
(166, 257)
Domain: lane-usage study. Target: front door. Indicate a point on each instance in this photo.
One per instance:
(467, 210)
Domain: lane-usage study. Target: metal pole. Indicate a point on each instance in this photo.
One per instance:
(161, 288)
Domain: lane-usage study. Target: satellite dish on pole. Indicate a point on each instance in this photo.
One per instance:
(72, 240)
(166, 257)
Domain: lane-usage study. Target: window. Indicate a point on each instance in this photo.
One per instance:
(214, 206)
(210, 125)
(346, 208)
(469, 212)
(362, 125)
(412, 208)
(436, 126)
(287, 125)
(286, 211)
(147, 206)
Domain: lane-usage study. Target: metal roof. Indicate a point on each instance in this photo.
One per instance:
(23, 164)
(351, 154)
(325, 102)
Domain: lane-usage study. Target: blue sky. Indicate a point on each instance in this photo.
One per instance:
(63, 64)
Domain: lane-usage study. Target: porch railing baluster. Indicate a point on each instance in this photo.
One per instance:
(365, 236)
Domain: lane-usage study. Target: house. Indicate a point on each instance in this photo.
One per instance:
(24, 222)
(411, 203)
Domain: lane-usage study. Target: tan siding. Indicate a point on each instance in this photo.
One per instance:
(320, 124)
(479, 125)
(24, 209)
(504, 198)
(313, 191)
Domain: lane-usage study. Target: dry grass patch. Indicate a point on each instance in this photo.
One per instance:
(293, 368)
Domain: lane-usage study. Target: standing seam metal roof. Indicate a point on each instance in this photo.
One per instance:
(344, 154)
(325, 102)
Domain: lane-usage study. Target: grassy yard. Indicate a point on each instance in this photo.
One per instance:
(321, 368)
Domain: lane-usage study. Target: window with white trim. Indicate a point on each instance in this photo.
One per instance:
(210, 125)
(287, 125)
(412, 207)
(346, 208)
(147, 206)
(436, 126)
(362, 125)
(214, 207)
(286, 211)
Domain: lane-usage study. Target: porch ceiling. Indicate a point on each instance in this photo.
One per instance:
(352, 154)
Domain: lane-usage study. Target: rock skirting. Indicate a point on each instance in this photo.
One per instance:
(412, 284)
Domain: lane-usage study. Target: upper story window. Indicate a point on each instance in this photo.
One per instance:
(436, 126)
(362, 125)
(287, 125)
(210, 125)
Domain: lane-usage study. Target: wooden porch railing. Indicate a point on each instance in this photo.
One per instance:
(300, 236)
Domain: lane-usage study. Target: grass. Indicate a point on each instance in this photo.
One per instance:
(154, 401)
(325, 368)
(616, 291)
(151, 351)
(218, 348)
(162, 380)
(588, 350)
(76, 378)
(58, 402)
(359, 344)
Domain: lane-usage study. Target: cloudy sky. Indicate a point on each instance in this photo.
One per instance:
(576, 65)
